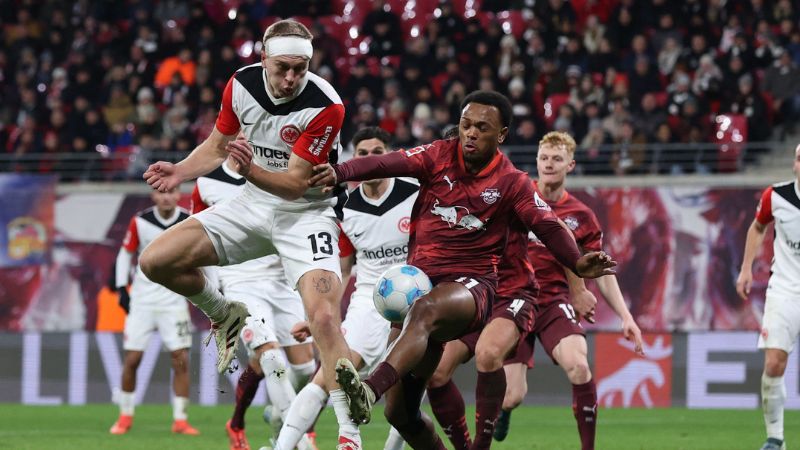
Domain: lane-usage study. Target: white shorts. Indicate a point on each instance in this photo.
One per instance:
(173, 325)
(365, 331)
(274, 308)
(780, 327)
(243, 229)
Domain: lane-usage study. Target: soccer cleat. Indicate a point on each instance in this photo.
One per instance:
(236, 437)
(501, 427)
(226, 334)
(122, 425)
(774, 444)
(360, 397)
(347, 444)
(182, 427)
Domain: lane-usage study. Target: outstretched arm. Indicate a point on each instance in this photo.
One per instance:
(206, 157)
(609, 287)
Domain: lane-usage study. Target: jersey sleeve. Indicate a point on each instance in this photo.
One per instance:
(413, 163)
(315, 143)
(197, 200)
(764, 210)
(227, 121)
(592, 238)
(346, 247)
(537, 216)
(131, 241)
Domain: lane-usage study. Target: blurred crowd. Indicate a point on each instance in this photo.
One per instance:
(102, 77)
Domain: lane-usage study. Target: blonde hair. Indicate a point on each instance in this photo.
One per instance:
(559, 139)
(287, 27)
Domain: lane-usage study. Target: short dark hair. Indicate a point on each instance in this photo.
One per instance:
(491, 98)
(372, 133)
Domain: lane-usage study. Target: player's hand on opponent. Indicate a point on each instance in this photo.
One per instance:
(301, 331)
(584, 303)
(595, 265)
(744, 283)
(162, 176)
(242, 154)
(632, 332)
(322, 175)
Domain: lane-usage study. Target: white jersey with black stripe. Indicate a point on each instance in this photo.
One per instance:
(781, 203)
(379, 229)
(143, 228)
(304, 124)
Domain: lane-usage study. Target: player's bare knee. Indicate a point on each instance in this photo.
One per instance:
(489, 358)
(439, 378)
(323, 320)
(774, 367)
(132, 360)
(579, 373)
(180, 360)
(423, 313)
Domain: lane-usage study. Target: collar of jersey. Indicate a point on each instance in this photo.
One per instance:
(282, 100)
(486, 170)
(379, 201)
(564, 195)
(169, 220)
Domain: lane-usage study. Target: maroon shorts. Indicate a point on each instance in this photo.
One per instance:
(482, 291)
(519, 310)
(553, 322)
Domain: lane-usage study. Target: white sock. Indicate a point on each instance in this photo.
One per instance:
(394, 441)
(773, 396)
(300, 373)
(276, 377)
(179, 405)
(347, 427)
(127, 402)
(210, 301)
(301, 415)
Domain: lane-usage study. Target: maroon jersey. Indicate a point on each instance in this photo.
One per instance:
(549, 273)
(516, 275)
(460, 220)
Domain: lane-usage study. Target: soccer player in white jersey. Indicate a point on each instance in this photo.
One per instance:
(780, 203)
(153, 307)
(375, 236)
(273, 305)
(291, 119)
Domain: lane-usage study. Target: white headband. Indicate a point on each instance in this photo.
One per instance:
(289, 45)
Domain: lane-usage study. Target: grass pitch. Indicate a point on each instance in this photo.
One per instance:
(86, 427)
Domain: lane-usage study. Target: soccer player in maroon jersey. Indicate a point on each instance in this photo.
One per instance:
(470, 193)
(510, 321)
(562, 302)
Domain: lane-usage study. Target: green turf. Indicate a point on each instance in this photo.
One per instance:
(86, 427)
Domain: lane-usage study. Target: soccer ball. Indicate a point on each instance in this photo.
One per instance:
(397, 289)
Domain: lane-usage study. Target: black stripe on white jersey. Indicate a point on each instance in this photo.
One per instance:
(251, 77)
(401, 191)
(149, 215)
(787, 191)
(220, 174)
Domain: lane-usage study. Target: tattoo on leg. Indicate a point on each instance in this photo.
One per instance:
(322, 285)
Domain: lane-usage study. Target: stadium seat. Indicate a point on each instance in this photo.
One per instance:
(513, 22)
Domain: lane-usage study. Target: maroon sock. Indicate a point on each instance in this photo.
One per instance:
(584, 406)
(448, 407)
(489, 394)
(245, 391)
(383, 378)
